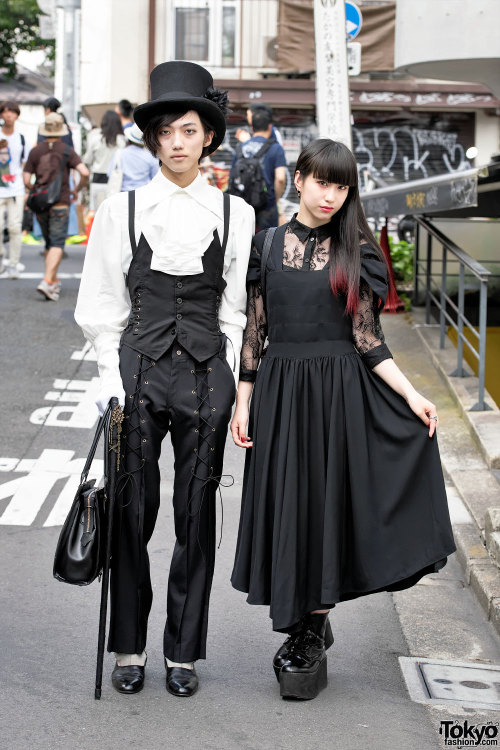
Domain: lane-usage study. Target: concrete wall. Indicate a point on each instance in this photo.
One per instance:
(114, 51)
(487, 136)
(449, 39)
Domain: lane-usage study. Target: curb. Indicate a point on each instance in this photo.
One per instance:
(478, 538)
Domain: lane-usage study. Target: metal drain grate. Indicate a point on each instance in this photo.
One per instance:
(442, 682)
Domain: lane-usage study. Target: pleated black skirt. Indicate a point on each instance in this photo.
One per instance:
(343, 490)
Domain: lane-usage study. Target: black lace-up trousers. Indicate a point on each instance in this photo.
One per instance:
(192, 401)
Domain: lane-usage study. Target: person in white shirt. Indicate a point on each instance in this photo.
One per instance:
(13, 153)
(163, 299)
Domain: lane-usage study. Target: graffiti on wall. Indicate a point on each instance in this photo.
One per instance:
(407, 153)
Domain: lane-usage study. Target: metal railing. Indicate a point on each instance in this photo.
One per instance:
(436, 293)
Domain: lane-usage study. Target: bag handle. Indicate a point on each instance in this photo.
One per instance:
(103, 422)
(268, 241)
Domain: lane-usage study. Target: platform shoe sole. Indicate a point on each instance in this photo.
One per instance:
(303, 686)
(328, 643)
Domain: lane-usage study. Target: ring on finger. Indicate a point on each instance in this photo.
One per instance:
(434, 417)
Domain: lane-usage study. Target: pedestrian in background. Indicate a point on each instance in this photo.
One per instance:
(124, 109)
(102, 145)
(135, 164)
(343, 492)
(13, 153)
(273, 166)
(261, 107)
(44, 161)
(53, 105)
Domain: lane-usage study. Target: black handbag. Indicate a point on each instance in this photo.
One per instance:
(81, 547)
(42, 197)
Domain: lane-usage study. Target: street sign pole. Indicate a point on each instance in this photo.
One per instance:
(333, 111)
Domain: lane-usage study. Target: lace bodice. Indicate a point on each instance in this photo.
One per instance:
(308, 250)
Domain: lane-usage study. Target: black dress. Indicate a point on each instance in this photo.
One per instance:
(343, 492)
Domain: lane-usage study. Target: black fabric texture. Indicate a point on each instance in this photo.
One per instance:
(192, 401)
(343, 491)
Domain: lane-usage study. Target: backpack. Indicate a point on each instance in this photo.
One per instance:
(42, 197)
(247, 178)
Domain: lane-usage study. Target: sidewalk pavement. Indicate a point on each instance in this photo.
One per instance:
(469, 444)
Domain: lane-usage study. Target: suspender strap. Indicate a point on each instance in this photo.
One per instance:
(268, 241)
(131, 221)
(227, 212)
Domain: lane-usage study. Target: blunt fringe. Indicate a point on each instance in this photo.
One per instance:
(331, 161)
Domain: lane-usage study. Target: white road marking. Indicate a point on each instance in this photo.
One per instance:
(29, 493)
(40, 275)
(82, 416)
(88, 353)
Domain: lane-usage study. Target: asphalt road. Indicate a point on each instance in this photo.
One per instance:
(48, 630)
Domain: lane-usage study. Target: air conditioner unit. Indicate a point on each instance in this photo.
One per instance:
(269, 51)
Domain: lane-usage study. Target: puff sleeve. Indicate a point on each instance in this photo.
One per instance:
(366, 328)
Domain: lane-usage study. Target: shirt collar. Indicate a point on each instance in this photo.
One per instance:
(161, 187)
(303, 232)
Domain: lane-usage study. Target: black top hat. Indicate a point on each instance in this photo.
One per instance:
(181, 86)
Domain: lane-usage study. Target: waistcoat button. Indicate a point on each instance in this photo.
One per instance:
(178, 316)
(179, 285)
(179, 300)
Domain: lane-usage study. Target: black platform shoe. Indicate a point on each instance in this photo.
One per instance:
(182, 682)
(305, 673)
(129, 679)
(281, 656)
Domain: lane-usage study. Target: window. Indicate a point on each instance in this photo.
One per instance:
(191, 33)
(205, 31)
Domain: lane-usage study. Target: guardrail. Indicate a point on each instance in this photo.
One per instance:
(436, 293)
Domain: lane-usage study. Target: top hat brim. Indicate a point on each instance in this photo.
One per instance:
(183, 103)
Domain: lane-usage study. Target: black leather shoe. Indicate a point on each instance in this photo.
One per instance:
(129, 679)
(182, 682)
(281, 656)
(305, 673)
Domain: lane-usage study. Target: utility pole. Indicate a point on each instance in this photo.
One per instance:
(333, 110)
(67, 73)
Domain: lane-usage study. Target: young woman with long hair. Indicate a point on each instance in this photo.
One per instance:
(343, 492)
(102, 145)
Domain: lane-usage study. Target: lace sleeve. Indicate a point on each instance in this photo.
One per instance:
(367, 330)
(255, 333)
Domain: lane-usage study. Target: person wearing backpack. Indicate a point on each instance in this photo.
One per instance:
(46, 161)
(258, 173)
(13, 154)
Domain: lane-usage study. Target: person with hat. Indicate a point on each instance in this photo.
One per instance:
(163, 299)
(135, 165)
(44, 161)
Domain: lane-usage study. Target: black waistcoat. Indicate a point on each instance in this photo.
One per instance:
(166, 308)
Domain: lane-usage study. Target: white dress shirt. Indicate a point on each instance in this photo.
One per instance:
(178, 224)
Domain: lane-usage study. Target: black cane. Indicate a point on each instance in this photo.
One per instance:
(111, 449)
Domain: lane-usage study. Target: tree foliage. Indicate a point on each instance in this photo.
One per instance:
(19, 30)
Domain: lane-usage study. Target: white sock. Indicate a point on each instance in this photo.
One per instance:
(184, 664)
(129, 660)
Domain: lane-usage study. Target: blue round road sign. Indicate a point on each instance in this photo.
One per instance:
(353, 20)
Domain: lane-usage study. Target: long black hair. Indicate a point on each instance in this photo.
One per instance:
(331, 161)
(111, 126)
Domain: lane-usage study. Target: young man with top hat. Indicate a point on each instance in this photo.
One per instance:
(162, 298)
